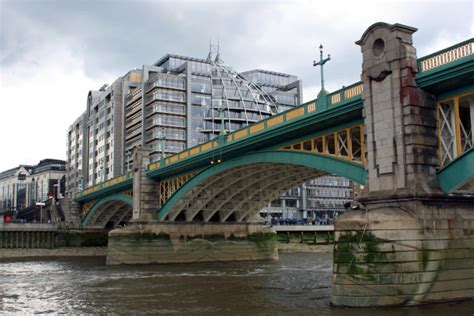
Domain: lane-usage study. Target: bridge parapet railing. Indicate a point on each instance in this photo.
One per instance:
(105, 184)
(446, 56)
(346, 93)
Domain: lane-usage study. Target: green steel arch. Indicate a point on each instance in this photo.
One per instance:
(324, 163)
(458, 174)
(117, 197)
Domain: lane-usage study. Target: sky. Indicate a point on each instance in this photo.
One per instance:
(53, 52)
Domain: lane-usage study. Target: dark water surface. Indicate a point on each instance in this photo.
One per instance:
(297, 284)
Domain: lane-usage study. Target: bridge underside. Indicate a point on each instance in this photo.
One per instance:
(238, 194)
(110, 215)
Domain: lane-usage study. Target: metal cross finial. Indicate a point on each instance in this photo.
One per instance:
(321, 63)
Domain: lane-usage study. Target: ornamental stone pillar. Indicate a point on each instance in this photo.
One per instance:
(145, 189)
(399, 118)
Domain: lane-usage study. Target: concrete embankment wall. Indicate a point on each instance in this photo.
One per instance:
(27, 239)
(410, 254)
(48, 236)
(185, 243)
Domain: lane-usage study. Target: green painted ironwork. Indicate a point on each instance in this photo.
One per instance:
(458, 172)
(331, 165)
(114, 197)
(117, 184)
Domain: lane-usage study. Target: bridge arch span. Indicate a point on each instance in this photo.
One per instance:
(109, 211)
(236, 190)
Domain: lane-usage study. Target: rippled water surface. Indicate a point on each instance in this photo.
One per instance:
(296, 284)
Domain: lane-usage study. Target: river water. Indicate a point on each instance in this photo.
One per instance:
(297, 284)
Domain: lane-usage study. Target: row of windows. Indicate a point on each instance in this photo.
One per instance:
(171, 81)
(172, 146)
(331, 181)
(165, 107)
(266, 78)
(167, 120)
(202, 68)
(323, 192)
(326, 203)
(168, 133)
(234, 114)
(162, 94)
(216, 126)
(288, 203)
(216, 103)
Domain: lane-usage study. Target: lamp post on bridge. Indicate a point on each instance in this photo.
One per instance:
(321, 63)
(221, 110)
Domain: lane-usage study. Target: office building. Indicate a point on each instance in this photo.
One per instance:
(176, 103)
(23, 186)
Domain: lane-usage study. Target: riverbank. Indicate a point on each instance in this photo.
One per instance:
(102, 251)
(56, 252)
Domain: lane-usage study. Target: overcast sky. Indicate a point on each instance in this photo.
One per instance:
(53, 52)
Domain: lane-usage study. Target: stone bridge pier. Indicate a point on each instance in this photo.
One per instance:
(410, 243)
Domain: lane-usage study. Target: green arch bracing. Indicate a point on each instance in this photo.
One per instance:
(341, 167)
(458, 172)
(114, 197)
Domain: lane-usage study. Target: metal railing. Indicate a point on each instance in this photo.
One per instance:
(346, 93)
(446, 56)
(105, 184)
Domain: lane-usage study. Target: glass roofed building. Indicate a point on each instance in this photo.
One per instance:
(173, 104)
(186, 99)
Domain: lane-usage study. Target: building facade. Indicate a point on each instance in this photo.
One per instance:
(25, 185)
(321, 200)
(176, 103)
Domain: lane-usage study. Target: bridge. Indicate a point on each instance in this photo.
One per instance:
(404, 131)
(245, 169)
(263, 160)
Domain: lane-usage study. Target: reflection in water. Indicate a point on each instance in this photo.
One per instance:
(297, 283)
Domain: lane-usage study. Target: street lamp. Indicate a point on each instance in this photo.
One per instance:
(321, 63)
(41, 204)
(221, 110)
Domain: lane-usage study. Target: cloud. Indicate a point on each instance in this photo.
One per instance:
(42, 92)
(53, 52)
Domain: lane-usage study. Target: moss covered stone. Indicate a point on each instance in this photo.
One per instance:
(358, 251)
